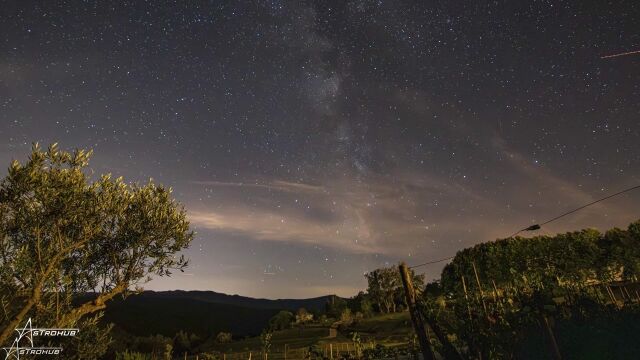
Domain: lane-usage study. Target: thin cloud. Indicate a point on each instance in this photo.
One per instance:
(387, 215)
(554, 195)
(278, 185)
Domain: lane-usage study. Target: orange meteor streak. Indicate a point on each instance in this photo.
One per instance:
(621, 54)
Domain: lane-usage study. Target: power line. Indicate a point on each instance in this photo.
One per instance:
(432, 262)
(538, 226)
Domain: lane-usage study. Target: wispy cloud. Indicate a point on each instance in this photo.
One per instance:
(387, 215)
(279, 185)
(552, 194)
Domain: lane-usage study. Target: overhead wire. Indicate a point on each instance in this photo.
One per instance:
(538, 226)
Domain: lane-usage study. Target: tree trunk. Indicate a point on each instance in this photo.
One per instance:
(33, 300)
(11, 326)
(98, 303)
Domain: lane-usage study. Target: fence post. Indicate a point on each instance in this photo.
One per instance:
(475, 272)
(418, 325)
(555, 350)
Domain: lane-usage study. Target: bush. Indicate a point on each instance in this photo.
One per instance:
(281, 320)
(346, 317)
(224, 337)
(127, 355)
(185, 342)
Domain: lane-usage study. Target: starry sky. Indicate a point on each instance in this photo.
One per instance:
(311, 142)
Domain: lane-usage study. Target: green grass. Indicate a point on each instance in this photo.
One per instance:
(389, 329)
(603, 337)
(293, 338)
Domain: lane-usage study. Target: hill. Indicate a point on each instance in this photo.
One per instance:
(317, 303)
(200, 312)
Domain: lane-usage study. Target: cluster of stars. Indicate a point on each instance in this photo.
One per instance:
(312, 142)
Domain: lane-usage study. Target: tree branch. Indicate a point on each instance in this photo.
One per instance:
(94, 305)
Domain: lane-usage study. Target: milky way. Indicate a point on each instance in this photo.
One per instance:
(311, 142)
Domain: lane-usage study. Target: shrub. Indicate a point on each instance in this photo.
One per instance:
(224, 337)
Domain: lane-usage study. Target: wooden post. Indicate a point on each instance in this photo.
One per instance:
(418, 325)
(185, 355)
(285, 351)
(555, 350)
(475, 272)
(466, 296)
(497, 296)
(608, 291)
(613, 296)
(331, 351)
(627, 292)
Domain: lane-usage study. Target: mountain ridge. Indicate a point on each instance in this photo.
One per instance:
(204, 313)
(314, 303)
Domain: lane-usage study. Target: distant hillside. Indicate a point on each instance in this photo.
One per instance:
(201, 312)
(317, 303)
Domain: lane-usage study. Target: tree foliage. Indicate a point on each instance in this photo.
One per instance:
(62, 235)
(571, 259)
(384, 286)
(224, 337)
(266, 338)
(494, 293)
(361, 303)
(334, 306)
(282, 320)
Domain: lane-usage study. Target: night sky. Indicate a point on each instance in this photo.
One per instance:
(312, 142)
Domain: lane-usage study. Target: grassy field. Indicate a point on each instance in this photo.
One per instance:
(293, 338)
(603, 337)
(389, 330)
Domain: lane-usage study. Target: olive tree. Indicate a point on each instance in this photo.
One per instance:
(66, 237)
